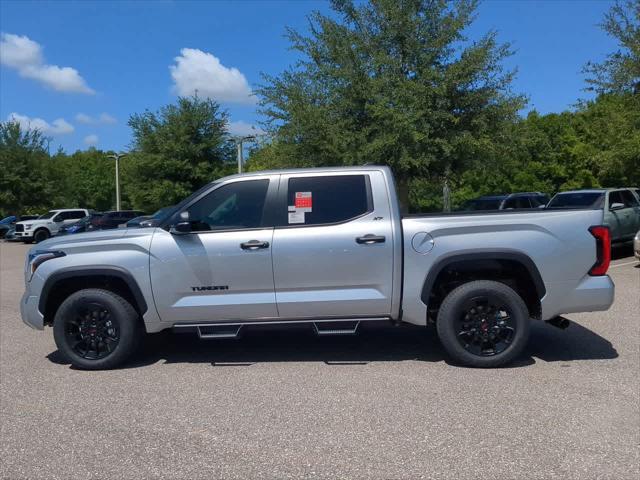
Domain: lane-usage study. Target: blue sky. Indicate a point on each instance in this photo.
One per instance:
(79, 69)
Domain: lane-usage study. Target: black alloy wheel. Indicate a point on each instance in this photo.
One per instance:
(485, 326)
(97, 329)
(92, 332)
(483, 323)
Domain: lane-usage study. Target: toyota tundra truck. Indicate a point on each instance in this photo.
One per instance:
(325, 247)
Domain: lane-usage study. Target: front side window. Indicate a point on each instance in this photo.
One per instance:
(327, 199)
(237, 205)
(629, 200)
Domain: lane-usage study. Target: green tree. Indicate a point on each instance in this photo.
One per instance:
(620, 72)
(84, 179)
(176, 151)
(390, 82)
(23, 156)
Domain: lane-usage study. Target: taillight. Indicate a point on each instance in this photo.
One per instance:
(603, 250)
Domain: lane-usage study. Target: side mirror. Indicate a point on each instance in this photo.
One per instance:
(616, 206)
(183, 225)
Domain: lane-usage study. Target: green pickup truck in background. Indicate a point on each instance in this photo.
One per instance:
(621, 208)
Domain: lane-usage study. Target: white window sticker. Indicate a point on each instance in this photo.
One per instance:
(296, 217)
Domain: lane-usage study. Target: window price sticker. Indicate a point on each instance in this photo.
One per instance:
(303, 202)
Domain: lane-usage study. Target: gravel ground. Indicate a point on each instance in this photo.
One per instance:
(286, 404)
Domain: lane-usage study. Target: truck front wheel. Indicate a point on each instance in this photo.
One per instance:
(96, 329)
(41, 235)
(483, 324)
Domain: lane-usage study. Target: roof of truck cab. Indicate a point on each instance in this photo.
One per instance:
(291, 171)
(588, 190)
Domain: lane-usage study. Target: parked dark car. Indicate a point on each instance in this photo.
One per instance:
(114, 219)
(507, 201)
(150, 220)
(8, 223)
(82, 225)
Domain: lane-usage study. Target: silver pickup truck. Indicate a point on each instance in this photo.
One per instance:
(327, 247)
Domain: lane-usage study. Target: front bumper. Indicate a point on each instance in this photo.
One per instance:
(29, 311)
(21, 235)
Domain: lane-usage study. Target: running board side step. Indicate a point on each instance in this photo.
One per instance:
(218, 331)
(232, 329)
(336, 328)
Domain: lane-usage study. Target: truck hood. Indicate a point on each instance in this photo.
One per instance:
(93, 238)
(35, 221)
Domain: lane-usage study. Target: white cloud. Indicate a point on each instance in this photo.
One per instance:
(91, 140)
(103, 118)
(58, 127)
(200, 71)
(244, 128)
(107, 119)
(24, 55)
(82, 118)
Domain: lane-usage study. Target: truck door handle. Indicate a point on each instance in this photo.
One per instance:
(254, 245)
(370, 238)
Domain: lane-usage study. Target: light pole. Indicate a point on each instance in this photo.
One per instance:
(239, 141)
(117, 157)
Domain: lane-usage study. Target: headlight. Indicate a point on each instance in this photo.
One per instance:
(27, 226)
(38, 257)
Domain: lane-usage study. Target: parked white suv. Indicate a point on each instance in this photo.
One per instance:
(47, 225)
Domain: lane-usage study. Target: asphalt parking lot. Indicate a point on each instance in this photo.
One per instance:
(287, 404)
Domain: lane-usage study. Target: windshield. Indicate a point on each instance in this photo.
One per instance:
(577, 200)
(47, 215)
(483, 204)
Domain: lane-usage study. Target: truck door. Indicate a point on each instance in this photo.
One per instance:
(222, 269)
(623, 219)
(631, 213)
(333, 246)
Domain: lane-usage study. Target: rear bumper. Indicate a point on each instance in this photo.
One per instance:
(29, 311)
(592, 294)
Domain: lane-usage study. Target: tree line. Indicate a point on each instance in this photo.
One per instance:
(379, 82)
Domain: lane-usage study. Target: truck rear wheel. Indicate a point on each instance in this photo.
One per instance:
(96, 329)
(483, 324)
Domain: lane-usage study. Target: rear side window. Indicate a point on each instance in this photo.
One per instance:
(326, 200)
(517, 202)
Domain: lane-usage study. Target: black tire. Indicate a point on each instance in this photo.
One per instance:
(96, 329)
(41, 235)
(483, 324)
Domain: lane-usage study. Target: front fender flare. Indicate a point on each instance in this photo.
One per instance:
(98, 271)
